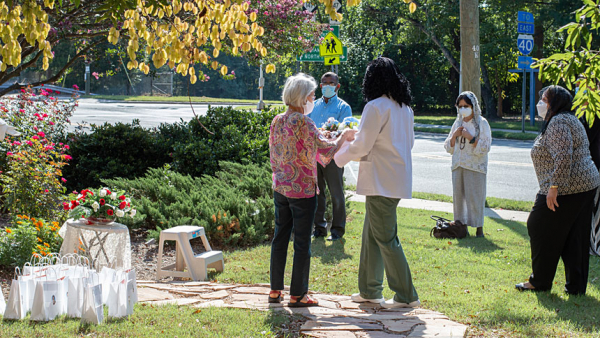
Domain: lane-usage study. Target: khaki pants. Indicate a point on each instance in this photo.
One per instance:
(381, 251)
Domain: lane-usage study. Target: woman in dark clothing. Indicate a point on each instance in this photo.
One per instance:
(593, 134)
(559, 221)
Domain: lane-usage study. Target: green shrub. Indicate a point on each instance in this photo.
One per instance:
(128, 150)
(234, 206)
(239, 135)
(119, 150)
(28, 236)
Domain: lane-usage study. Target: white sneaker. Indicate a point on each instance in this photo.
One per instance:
(392, 304)
(358, 299)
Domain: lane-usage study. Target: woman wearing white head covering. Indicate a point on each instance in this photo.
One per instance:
(469, 142)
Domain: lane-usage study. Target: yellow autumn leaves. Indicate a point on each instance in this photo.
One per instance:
(412, 7)
(29, 21)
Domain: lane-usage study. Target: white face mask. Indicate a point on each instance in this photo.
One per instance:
(542, 109)
(465, 112)
(308, 107)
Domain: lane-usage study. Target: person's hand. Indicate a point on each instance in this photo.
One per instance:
(551, 199)
(466, 135)
(349, 134)
(458, 132)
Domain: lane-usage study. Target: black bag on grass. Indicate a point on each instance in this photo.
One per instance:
(445, 228)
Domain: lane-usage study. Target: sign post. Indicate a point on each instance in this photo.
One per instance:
(525, 27)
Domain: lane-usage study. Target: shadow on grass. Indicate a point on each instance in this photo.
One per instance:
(478, 244)
(516, 227)
(331, 254)
(584, 310)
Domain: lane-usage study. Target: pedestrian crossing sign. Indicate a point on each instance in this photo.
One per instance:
(331, 46)
(332, 60)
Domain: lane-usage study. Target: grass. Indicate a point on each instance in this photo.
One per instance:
(490, 202)
(495, 133)
(185, 99)
(159, 321)
(470, 280)
(449, 120)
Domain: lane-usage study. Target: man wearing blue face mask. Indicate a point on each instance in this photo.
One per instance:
(330, 105)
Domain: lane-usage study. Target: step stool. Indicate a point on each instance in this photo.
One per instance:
(197, 265)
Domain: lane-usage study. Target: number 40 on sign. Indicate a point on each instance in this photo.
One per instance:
(525, 43)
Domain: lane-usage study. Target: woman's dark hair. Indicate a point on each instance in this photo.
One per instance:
(464, 97)
(384, 78)
(560, 101)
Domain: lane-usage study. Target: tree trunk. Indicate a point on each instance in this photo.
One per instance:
(487, 94)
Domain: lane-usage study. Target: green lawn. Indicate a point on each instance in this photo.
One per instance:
(449, 120)
(159, 321)
(201, 99)
(490, 202)
(470, 280)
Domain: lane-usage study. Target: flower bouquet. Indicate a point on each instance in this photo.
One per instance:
(330, 128)
(349, 123)
(100, 206)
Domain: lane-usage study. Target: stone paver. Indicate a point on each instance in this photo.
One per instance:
(336, 317)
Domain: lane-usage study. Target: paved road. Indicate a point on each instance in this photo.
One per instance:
(150, 114)
(510, 172)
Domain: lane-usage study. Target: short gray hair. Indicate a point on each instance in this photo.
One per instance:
(297, 88)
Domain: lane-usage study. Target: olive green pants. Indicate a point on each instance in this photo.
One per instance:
(381, 250)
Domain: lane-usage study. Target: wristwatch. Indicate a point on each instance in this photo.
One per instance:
(473, 140)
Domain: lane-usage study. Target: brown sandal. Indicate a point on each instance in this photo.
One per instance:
(298, 301)
(277, 299)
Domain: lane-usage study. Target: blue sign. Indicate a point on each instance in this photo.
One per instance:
(525, 62)
(525, 17)
(525, 44)
(525, 28)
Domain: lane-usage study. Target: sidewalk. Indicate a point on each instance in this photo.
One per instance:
(437, 126)
(415, 203)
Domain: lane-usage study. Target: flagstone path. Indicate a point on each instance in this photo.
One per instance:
(336, 317)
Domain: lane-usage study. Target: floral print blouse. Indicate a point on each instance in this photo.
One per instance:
(295, 146)
(561, 157)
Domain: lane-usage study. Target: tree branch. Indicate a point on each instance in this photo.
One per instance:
(54, 78)
(427, 32)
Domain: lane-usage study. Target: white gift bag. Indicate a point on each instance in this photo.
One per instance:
(75, 297)
(131, 296)
(131, 277)
(14, 308)
(107, 276)
(47, 301)
(113, 301)
(92, 311)
(2, 302)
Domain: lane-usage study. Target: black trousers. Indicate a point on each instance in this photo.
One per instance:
(565, 234)
(292, 215)
(334, 177)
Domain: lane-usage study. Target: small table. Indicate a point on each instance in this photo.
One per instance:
(105, 245)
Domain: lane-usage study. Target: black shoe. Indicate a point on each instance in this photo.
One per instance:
(333, 238)
(315, 236)
(522, 287)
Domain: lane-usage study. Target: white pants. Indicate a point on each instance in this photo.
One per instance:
(469, 196)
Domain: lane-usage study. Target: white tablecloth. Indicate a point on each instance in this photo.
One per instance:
(105, 245)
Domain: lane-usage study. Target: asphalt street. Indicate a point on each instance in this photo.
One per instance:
(510, 170)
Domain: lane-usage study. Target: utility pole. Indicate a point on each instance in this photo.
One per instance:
(469, 47)
(261, 84)
(87, 77)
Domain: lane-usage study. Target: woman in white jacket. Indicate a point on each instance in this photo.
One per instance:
(383, 144)
(469, 142)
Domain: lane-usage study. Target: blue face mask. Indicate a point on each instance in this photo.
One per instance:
(328, 91)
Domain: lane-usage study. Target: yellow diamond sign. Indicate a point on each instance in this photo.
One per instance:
(332, 60)
(330, 46)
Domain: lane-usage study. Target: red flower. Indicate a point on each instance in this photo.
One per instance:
(108, 192)
(122, 205)
(122, 197)
(74, 203)
(102, 201)
(110, 212)
(66, 206)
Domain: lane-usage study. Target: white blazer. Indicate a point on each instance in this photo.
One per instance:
(383, 143)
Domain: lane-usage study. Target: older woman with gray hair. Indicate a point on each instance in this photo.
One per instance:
(469, 142)
(295, 146)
